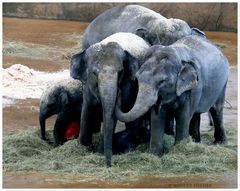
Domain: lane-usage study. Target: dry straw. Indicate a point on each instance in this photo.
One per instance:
(25, 151)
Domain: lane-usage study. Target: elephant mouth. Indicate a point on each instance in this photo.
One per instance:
(168, 101)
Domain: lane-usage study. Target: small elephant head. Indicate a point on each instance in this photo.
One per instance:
(52, 101)
(164, 31)
(102, 67)
(163, 77)
(151, 37)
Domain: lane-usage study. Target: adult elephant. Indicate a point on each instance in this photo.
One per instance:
(103, 68)
(151, 26)
(185, 79)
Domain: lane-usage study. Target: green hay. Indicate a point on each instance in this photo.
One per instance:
(25, 151)
(221, 45)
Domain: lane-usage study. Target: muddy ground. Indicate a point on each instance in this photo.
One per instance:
(46, 46)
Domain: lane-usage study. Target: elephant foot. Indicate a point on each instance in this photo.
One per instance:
(220, 137)
(56, 145)
(108, 162)
(100, 148)
(196, 140)
(44, 138)
(220, 141)
(156, 151)
(84, 142)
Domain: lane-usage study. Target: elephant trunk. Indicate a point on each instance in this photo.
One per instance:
(147, 97)
(44, 114)
(42, 121)
(108, 91)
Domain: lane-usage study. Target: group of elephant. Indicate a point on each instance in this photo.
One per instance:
(145, 70)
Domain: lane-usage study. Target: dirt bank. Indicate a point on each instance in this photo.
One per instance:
(41, 180)
(46, 46)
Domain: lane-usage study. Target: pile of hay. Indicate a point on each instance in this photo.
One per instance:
(25, 151)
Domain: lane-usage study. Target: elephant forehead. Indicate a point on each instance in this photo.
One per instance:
(104, 57)
(108, 69)
(129, 42)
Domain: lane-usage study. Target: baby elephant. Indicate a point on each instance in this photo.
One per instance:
(129, 139)
(63, 98)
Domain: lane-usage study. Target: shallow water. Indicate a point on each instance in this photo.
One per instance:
(60, 39)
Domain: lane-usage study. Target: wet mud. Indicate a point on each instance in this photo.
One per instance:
(46, 46)
(40, 180)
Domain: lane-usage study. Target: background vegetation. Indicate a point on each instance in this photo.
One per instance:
(205, 16)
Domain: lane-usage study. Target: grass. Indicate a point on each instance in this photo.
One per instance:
(25, 151)
(43, 52)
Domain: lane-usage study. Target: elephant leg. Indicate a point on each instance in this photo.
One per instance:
(217, 116)
(158, 122)
(90, 122)
(194, 129)
(183, 117)
(210, 119)
(169, 123)
(59, 128)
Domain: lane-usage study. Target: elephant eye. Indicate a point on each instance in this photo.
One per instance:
(95, 73)
(161, 83)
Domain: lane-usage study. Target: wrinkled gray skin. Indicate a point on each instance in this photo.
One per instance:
(63, 98)
(103, 68)
(149, 25)
(185, 79)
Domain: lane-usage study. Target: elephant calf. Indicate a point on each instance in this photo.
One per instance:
(129, 139)
(184, 79)
(63, 98)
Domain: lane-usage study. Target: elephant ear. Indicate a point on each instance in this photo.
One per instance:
(78, 67)
(187, 78)
(130, 65)
(196, 31)
(142, 32)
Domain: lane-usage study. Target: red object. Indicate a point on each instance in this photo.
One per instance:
(72, 131)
